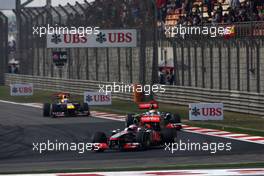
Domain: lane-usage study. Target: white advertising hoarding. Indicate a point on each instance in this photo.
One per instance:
(105, 38)
(206, 111)
(7, 4)
(21, 89)
(97, 98)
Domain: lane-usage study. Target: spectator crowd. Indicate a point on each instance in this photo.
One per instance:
(192, 13)
(115, 14)
(139, 13)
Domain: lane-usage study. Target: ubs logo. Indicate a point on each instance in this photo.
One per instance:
(56, 38)
(196, 111)
(101, 38)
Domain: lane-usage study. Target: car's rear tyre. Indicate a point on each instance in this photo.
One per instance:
(86, 108)
(175, 119)
(129, 120)
(99, 137)
(54, 109)
(169, 135)
(46, 110)
(144, 139)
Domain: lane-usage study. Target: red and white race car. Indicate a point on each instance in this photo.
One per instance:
(152, 128)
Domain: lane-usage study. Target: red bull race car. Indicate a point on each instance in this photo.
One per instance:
(142, 131)
(63, 107)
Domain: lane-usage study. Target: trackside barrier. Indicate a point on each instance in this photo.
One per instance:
(68, 85)
(236, 101)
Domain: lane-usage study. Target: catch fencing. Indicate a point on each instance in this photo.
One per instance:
(3, 46)
(234, 63)
(101, 64)
(242, 102)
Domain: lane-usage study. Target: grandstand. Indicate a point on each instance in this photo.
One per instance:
(175, 14)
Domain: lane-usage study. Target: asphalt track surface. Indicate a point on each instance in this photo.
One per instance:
(20, 126)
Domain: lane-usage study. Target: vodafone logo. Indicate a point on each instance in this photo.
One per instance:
(147, 119)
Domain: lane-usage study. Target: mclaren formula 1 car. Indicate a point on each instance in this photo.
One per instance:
(142, 131)
(62, 107)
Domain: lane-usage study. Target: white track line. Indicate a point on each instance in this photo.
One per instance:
(197, 172)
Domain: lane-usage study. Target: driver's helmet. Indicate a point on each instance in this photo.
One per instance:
(152, 111)
(64, 99)
(132, 128)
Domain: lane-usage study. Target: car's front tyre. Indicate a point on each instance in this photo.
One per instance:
(143, 139)
(169, 135)
(130, 120)
(46, 110)
(100, 138)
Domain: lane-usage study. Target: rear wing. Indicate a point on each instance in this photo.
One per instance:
(149, 105)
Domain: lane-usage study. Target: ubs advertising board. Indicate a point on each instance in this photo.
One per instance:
(206, 111)
(21, 89)
(105, 38)
(97, 98)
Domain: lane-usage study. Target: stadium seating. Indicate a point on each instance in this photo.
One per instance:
(173, 16)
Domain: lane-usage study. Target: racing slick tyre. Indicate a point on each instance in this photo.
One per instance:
(169, 135)
(54, 108)
(86, 108)
(99, 137)
(46, 110)
(175, 119)
(129, 120)
(144, 139)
